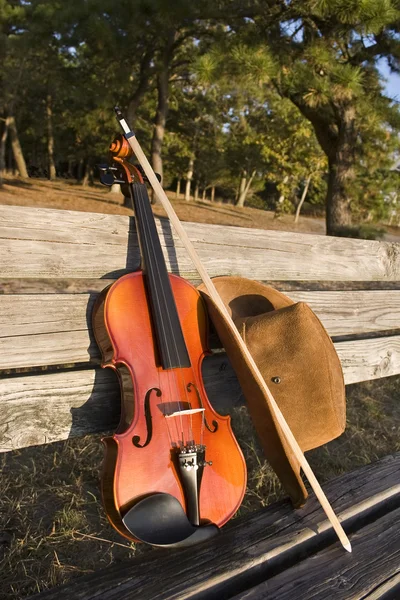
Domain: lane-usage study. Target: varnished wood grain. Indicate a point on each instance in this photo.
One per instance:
(250, 549)
(60, 244)
(50, 329)
(131, 334)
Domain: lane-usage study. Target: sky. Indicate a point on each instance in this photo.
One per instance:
(392, 87)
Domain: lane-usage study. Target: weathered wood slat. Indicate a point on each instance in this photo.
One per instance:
(59, 244)
(52, 329)
(374, 562)
(37, 330)
(369, 359)
(350, 312)
(250, 549)
(37, 409)
(81, 285)
(47, 408)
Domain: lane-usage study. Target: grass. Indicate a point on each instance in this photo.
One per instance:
(52, 524)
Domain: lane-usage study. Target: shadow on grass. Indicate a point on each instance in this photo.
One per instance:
(204, 205)
(19, 183)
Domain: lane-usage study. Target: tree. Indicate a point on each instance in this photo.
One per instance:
(323, 55)
(12, 70)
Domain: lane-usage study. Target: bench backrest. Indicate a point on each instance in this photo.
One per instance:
(54, 263)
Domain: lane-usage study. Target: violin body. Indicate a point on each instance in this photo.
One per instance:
(163, 410)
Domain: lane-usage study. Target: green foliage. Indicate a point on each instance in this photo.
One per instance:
(364, 232)
(264, 91)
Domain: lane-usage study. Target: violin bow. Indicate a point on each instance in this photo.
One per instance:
(161, 195)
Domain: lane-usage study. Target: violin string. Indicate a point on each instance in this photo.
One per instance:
(140, 216)
(146, 225)
(180, 370)
(173, 374)
(167, 373)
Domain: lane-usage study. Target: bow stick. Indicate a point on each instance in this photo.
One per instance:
(161, 195)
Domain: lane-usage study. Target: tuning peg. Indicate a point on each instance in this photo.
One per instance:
(140, 168)
(109, 175)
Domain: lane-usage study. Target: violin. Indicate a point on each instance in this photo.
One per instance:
(173, 472)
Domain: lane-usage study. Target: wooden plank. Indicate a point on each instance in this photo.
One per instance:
(32, 403)
(75, 285)
(60, 244)
(47, 408)
(369, 359)
(387, 591)
(53, 329)
(38, 409)
(46, 329)
(373, 565)
(249, 549)
(350, 312)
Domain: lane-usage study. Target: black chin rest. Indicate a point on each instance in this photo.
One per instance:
(160, 520)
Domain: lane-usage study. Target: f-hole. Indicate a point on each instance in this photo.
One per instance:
(214, 423)
(147, 415)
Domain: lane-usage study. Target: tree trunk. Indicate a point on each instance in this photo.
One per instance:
(340, 150)
(70, 171)
(162, 105)
(3, 152)
(88, 177)
(242, 185)
(16, 148)
(159, 123)
(204, 194)
(80, 171)
(338, 213)
(282, 196)
(341, 173)
(213, 193)
(303, 197)
(115, 188)
(178, 189)
(189, 176)
(50, 138)
(245, 191)
(196, 192)
(337, 137)
(141, 89)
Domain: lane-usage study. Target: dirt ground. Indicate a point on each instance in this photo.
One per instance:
(70, 196)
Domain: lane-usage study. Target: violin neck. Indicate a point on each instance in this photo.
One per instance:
(167, 328)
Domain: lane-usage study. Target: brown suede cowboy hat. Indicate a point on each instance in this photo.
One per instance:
(298, 361)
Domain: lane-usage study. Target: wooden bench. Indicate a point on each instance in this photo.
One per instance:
(53, 265)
